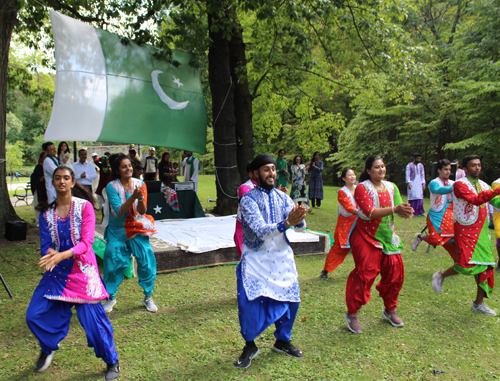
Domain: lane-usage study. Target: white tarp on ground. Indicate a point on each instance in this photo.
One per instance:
(199, 235)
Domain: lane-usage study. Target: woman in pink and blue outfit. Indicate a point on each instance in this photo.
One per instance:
(72, 278)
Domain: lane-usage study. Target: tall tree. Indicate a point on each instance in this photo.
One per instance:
(30, 19)
(8, 19)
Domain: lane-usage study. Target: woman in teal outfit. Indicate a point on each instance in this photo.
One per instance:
(128, 232)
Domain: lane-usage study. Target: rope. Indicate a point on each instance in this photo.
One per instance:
(218, 181)
(217, 118)
(225, 99)
(220, 144)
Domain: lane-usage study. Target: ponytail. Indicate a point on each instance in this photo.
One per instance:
(364, 176)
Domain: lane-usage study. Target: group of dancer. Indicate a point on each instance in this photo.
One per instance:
(457, 220)
(267, 281)
(72, 278)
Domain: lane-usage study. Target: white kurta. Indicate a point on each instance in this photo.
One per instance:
(48, 171)
(187, 171)
(267, 262)
(415, 175)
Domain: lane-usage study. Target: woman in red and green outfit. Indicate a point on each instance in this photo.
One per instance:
(376, 249)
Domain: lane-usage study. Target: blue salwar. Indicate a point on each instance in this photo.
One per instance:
(117, 260)
(49, 321)
(256, 315)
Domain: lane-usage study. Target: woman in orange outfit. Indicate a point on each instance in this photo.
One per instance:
(348, 210)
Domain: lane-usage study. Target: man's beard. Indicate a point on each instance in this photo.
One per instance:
(264, 184)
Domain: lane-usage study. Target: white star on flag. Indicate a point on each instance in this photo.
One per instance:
(178, 82)
(157, 209)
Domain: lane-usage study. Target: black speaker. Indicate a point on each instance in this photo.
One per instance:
(453, 173)
(153, 186)
(16, 230)
(435, 173)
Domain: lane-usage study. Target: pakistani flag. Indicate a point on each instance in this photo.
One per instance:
(110, 91)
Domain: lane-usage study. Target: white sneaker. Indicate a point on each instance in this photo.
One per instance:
(416, 241)
(150, 304)
(483, 309)
(437, 282)
(108, 307)
(44, 361)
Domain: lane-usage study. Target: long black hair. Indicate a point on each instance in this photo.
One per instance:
(77, 191)
(314, 154)
(59, 148)
(42, 155)
(368, 165)
(294, 161)
(344, 174)
(115, 160)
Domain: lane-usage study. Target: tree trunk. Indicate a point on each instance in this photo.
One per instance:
(223, 110)
(242, 97)
(8, 18)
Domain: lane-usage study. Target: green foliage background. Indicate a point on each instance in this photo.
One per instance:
(347, 79)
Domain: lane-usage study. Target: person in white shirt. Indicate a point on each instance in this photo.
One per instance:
(84, 171)
(50, 164)
(191, 166)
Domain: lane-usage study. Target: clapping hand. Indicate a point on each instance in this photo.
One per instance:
(404, 211)
(283, 189)
(297, 215)
(138, 194)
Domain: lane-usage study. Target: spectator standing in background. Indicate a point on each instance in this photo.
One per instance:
(38, 185)
(191, 166)
(136, 163)
(62, 150)
(104, 179)
(415, 181)
(299, 186)
(84, 171)
(49, 166)
(151, 166)
(165, 169)
(315, 167)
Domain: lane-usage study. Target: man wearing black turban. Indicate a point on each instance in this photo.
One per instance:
(267, 279)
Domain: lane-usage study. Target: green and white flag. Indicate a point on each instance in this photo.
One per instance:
(113, 92)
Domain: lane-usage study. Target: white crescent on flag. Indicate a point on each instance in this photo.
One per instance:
(173, 105)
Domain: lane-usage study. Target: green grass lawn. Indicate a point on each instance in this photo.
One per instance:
(20, 180)
(195, 334)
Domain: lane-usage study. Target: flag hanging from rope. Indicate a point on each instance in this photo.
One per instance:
(109, 89)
